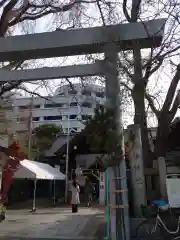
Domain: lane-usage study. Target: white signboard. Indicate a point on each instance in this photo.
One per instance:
(173, 190)
(102, 188)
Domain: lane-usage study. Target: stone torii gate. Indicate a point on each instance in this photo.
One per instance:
(109, 40)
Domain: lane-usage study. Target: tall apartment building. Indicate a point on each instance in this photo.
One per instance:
(68, 107)
(9, 124)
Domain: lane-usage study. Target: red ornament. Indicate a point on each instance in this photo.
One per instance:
(11, 166)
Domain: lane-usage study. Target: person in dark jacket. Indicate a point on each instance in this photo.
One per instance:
(88, 192)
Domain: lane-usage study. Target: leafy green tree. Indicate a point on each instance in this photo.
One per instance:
(101, 137)
(43, 137)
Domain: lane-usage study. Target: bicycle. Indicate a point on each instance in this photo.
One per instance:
(157, 227)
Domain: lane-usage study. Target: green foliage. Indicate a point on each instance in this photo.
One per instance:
(43, 137)
(100, 129)
(47, 130)
(102, 135)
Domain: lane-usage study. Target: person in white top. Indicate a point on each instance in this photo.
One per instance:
(75, 196)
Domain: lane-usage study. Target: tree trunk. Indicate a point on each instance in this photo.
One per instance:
(138, 95)
(160, 152)
(162, 136)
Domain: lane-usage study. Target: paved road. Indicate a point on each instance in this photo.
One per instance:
(57, 223)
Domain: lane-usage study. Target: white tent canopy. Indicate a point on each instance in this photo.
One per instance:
(36, 170)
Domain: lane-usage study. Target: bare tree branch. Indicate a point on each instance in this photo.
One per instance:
(126, 86)
(135, 10)
(176, 104)
(101, 13)
(10, 85)
(126, 14)
(3, 20)
(45, 10)
(150, 70)
(171, 91)
(152, 105)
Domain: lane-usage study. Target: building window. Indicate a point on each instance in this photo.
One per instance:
(73, 130)
(54, 105)
(22, 119)
(52, 118)
(73, 117)
(73, 104)
(36, 106)
(22, 132)
(86, 92)
(7, 108)
(100, 94)
(61, 94)
(25, 107)
(65, 130)
(72, 92)
(86, 105)
(36, 119)
(85, 117)
(18, 119)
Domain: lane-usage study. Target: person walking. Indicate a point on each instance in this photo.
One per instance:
(88, 192)
(75, 196)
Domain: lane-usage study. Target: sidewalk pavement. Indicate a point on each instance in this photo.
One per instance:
(57, 224)
(54, 224)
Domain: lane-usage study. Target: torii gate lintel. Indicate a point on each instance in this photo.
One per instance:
(81, 41)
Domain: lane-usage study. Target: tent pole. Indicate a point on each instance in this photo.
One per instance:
(34, 196)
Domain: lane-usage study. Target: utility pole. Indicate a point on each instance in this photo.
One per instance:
(14, 121)
(118, 181)
(67, 163)
(30, 128)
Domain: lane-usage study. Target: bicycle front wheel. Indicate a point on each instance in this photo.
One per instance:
(148, 229)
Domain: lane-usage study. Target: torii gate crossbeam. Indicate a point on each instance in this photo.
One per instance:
(26, 75)
(81, 41)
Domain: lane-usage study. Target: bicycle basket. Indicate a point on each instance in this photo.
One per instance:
(164, 208)
(162, 205)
